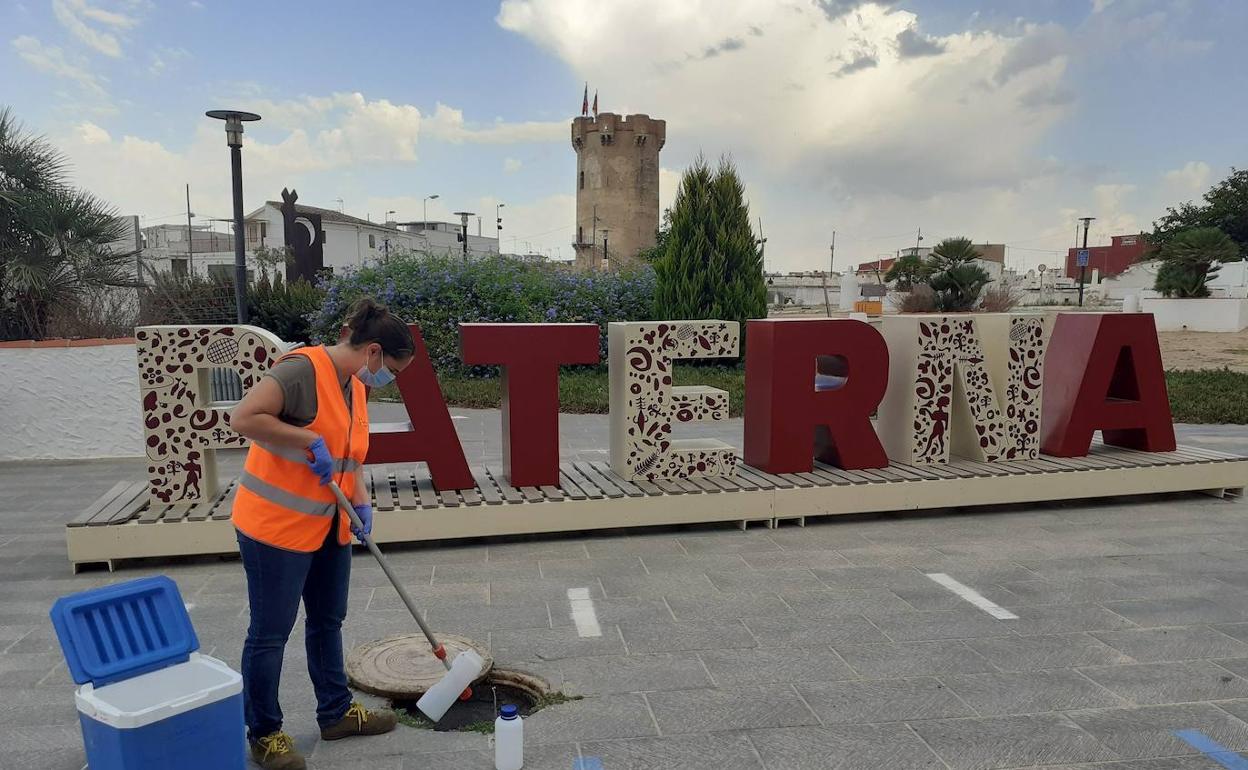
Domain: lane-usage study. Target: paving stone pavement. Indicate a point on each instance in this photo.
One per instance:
(818, 647)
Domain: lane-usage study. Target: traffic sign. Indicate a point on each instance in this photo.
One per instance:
(1081, 258)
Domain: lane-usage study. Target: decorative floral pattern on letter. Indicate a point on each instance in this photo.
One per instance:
(644, 403)
(951, 358)
(182, 429)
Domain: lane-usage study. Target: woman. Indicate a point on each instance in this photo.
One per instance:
(308, 422)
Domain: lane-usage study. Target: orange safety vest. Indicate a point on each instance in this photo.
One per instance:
(280, 501)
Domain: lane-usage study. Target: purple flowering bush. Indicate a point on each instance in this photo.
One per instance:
(441, 292)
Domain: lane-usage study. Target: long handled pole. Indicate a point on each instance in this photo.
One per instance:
(438, 650)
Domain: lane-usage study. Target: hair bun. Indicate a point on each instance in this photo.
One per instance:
(365, 310)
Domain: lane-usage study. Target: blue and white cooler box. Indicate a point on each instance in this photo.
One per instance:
(147, 699)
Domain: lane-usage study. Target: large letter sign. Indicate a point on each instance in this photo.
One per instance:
(783, 411)
(430, 437)
(530, 356)
(644, 404)
(1109, 378)
(942, 398)
(182, 427)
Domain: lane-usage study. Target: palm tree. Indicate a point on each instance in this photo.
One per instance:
(1190, 260)
(956, 280)
(54, 239)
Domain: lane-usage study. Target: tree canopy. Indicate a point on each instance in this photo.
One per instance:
(1190, 260)
(1225, 207)
(55, 240)
(710, 265)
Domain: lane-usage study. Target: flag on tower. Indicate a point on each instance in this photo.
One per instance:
(585, 100)
(595, 102)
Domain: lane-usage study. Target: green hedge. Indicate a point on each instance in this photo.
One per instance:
(441, 292)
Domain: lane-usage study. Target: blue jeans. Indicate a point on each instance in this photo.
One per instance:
(276, 580)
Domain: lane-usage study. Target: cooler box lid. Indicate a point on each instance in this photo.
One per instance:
(116, 632)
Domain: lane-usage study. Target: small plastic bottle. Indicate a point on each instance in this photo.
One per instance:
(508, 739)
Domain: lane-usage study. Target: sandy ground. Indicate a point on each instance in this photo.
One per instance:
(1205, 350)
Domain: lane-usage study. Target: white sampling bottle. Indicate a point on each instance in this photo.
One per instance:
(508, 739)
(464, 669)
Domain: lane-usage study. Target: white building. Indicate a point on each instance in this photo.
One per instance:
(208, 253)
(349, 241)
(353, 242)
(443, 238)
(1231, 281)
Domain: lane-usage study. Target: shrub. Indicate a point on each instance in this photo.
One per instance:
(956, 279)
(920, 299)
(1190, 260)
(283, 308)
(999, 299)
(441, 292)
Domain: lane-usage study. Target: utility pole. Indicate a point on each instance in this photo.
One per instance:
(832, 256)
(190, 240)
(1082, 258)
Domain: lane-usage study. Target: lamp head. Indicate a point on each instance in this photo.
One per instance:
(234, 120)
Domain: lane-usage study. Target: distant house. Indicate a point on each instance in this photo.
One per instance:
(443, 238)
(1122, 252)
(348, 241)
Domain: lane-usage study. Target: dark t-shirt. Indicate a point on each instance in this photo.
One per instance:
(297, 378)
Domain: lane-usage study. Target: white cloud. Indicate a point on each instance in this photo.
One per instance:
(511, 165)
(923, 123)
(52, 60)
(448, 124)
(1191, 179)
(196, 5)
(96, 27)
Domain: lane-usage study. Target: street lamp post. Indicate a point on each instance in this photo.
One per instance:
(1083, 267)
(424, 207)
(234, 120)
(463, 224)
(498, 222)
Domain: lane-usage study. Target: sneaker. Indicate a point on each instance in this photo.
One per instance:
(276, 751)
(360, 721)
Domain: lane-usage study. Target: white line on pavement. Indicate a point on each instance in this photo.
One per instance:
(583, 614)
(972, 596)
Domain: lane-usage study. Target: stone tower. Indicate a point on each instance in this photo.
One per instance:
(617, 186)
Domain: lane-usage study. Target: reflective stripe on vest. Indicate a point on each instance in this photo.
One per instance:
(281, 497)
(300, 456)
(280, 501)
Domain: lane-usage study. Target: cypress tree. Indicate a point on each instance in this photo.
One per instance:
(710, 266)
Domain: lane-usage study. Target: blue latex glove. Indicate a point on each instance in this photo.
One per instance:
(365, 512)
(319, 460)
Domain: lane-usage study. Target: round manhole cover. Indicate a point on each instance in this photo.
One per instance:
(403, 666)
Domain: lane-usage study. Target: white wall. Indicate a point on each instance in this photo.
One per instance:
(70, 402)
(1197, 315)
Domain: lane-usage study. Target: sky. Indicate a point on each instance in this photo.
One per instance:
(998, 120)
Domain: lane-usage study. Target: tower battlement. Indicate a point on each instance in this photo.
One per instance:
(611, 128)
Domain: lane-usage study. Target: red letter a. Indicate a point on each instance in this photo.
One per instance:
(530, 355)
(1103, 372)
(436, 442)
(784, 412)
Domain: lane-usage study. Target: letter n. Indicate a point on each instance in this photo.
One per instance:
(944, 382)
